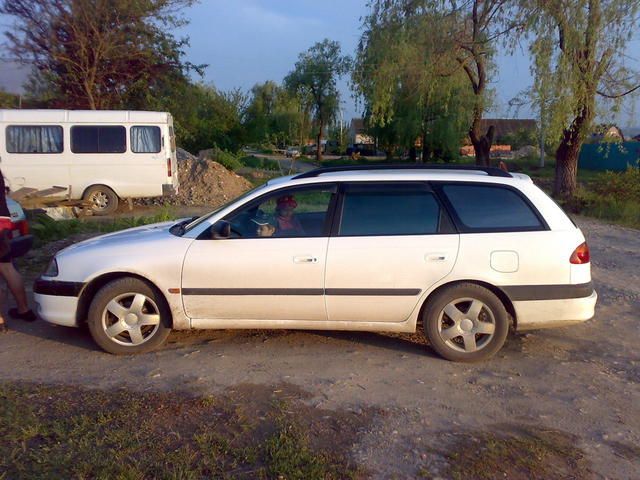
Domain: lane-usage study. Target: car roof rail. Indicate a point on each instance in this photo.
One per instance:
(491, 171)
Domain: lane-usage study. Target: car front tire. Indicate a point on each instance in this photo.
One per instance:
(466, 323)
(129, 316)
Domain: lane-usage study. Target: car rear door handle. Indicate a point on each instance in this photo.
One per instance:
(435, 257)
(305, 259)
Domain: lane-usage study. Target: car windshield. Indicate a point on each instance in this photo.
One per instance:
(205, 217)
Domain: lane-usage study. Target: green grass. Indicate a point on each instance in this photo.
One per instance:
(70, 432)
(46, 230)
(523, 453)
(261, 163)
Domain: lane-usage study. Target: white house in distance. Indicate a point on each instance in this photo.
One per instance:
(357, 133)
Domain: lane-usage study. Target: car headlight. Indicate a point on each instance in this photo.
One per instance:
(52, 268)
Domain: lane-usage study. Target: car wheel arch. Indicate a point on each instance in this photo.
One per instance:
(88, 187)
(497, 291)
(95, 284)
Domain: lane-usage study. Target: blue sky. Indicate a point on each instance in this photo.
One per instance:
(249, 41)
(245, 42)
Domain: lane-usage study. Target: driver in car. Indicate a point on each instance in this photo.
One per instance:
(287, 224)
(263, 227)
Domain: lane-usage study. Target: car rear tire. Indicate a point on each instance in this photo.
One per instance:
(129, 316)
(103, 200)
(466, 323)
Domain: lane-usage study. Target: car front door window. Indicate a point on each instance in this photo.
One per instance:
(288, 213)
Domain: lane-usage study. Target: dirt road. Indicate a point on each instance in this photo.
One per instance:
(580, 383)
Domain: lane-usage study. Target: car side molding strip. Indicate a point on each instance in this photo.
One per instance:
(363, 292)
(547, 292)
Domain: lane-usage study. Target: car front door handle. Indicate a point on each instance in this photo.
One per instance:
(305, 259)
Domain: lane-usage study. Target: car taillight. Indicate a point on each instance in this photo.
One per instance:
(6, 224)
(23, 227)
(580, 255)
(168, 167)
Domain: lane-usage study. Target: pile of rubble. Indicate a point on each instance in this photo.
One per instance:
(203, 182)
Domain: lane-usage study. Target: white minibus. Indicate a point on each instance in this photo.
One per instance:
(99, 156)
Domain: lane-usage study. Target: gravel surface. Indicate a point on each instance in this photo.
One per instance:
(581, 382)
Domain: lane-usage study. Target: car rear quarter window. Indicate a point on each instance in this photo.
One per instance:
(389, 210)
(98, 139)
(491, 208)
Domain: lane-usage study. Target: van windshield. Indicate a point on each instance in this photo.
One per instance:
(205, 217)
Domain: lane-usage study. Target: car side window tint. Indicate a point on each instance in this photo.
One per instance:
(285, 213)
(34, 139)
(389, 210)
(488, 207)
(98, 139)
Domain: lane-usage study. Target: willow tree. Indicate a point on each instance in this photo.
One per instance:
(445, 39)
(579, 50)
(314, 81)
(411, 86)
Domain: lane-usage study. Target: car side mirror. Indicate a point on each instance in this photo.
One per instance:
(221, 230)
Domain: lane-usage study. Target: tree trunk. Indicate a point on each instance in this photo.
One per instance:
(566, 180)
(413, 155)
(319, 146)
(426, 151)
(481, 143)
(482, 149)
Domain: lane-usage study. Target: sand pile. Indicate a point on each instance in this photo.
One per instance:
(202, 183)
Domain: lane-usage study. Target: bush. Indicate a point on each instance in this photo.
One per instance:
(227, 159)
(260, 163)
(619, 186)
(612, 196)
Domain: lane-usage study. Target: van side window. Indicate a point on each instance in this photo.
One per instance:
(490, 208)
(392, 209)
(145, 139)
(98, 139)
(34, 139)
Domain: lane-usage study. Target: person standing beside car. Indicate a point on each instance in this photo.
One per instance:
(7, 270)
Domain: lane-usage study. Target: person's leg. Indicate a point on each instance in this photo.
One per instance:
(16, 285)
(3, 302)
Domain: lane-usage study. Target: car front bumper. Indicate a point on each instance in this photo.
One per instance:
(57, 301)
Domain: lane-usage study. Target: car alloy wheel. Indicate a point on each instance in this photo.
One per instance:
(131, 319)
(465, 322)
(466, 325)
(128, 316)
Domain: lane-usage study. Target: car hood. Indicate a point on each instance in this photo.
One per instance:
(130, 236)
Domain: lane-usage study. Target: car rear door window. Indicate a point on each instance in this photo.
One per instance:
(98, 139)
(389, 209)
(491, 208)
(34, 139)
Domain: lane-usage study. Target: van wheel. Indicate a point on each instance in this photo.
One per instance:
(466, 323)
(129, 316)
(103, 200)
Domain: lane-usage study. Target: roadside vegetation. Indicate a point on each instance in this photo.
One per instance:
(248, 432)
(46, 230)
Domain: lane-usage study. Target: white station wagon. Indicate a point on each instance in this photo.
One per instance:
(464, 251)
